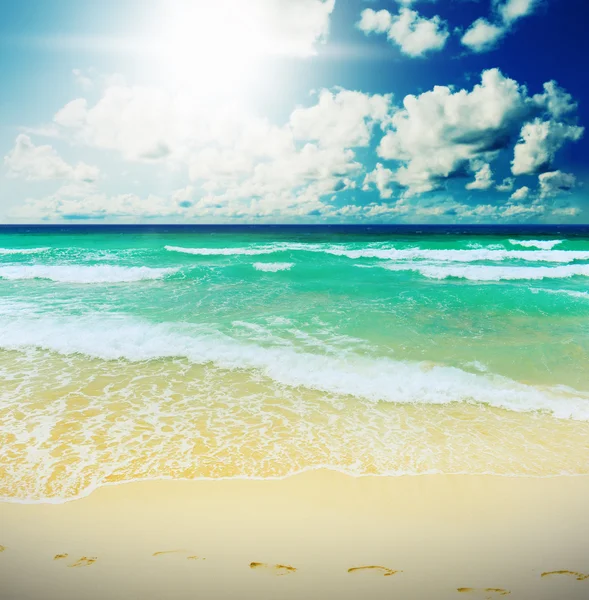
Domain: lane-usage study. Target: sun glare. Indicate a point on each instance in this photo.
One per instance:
(213, 48)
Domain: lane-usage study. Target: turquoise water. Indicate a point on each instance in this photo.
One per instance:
(228, 353)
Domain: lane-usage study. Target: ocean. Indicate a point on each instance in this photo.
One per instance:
(188, 352)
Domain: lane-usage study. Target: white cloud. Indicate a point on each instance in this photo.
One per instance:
(382, 178)
(85, 201)
(521, 193)
(483, 179)
(566, 211)
(42, 162)
(372, 21)
(291, 27)
(506, 185)
(482, 35)
(540, 140)
(512, 10)
(558, 102)
(241, 165)
(523, 211)
(344, 119)
(415, 35)
(232, 156)
(439, 133)
(139, 122)
(555, 182)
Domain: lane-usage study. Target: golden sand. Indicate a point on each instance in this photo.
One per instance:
(319, 535)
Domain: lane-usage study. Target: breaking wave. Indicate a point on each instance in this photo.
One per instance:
(273, 267)
(493, 273)
(542, 244)
(374, 379)
(83, 274)
(23, 250)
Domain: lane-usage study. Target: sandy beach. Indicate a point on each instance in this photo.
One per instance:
(316, 535)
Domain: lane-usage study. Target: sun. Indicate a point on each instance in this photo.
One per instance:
(214, 47)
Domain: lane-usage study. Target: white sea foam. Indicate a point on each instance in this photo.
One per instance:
(23, 250)
(223, 251)
(492, 273)
(373, 379)
(273, 267)
(556, 256)
(403, 254)
(476, 246)
(82, 274)
(542, 244)
(570, 293)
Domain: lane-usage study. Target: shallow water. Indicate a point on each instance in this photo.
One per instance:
(264, 352)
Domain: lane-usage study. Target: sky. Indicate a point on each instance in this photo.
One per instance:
(294, 111)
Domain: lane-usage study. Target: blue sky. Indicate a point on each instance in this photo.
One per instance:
(294, 111)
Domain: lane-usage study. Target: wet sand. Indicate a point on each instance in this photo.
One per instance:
(319, 535)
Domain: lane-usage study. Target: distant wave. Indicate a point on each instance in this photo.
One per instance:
(372, 379)
(273, 267)
(222, 251)
(473, 255)
(493, 273)
(23, 250)
(558, 256)
(542, 244)
(83, 274)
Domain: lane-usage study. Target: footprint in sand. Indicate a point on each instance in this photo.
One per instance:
(386, 572)
(577, 576)
(176, 552)
(84, 562)
(489, 593)
(274, 569)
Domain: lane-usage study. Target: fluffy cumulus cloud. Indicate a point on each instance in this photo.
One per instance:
(483, 179)
(345, 118)
(512, 10)
(238, 163)
(483, 35)
(139, 122)
(540, 141)
(441, 133)
(81, 200)
(415, 35)
(521, 193)
(555, 182)
(381, 178)
(29, 161)
(442, 208)
(506, 185)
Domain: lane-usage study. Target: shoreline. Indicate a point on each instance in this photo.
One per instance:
(425, 536)
(302, 472)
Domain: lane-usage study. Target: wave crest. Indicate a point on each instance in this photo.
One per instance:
(372, 379)
(222, 251)
(273, 267)
(83, 274)
(493, 273)
(23, 250)
(542, 244)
